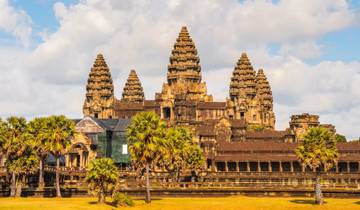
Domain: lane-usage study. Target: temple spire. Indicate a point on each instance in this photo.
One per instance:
(133, 91)
(184, 60)
(263, 89)
(242, 83)
(99, 91)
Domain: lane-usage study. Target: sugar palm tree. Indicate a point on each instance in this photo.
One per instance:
(101, 174)
(60, 132)
(318, 151)
(38, 132)
(183, 153)
(146, 142)
(18, 149)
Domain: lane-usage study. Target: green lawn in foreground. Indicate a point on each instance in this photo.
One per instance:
(225, 203)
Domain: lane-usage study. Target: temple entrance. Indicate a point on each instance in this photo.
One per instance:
(166, 112)
(77, 156)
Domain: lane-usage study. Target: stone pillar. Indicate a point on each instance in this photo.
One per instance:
(81, 160)
(269, 166)
(291, 166)
(280, 167)
(226, 166)
(348, 166)
(67, 160)
(247, 166)
(258, 166)
(337, 167)
(237, 166)
(213, 165)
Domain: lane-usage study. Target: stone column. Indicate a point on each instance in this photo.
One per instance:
(348, 166)
(337, 167)
(258, 166)
(280, 167)
(291, 166)
(213, 165)
(226, 166)
(81, 160)
(237, 166)
(247, 166)
(269, 166)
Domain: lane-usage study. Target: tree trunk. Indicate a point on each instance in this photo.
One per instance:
(318, 193)
(18, 186)
(102, 195)
(41, 174)
(58, 193)
(147, 198)
(13, 185)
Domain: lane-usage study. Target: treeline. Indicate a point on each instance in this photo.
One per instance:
(26, 144)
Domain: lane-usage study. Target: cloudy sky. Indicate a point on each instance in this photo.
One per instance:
(310, 51)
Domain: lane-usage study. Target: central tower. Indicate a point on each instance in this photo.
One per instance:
(184, 86)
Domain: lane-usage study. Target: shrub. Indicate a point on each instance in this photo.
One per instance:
(122, 199)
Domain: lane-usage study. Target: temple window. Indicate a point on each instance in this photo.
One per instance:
(242, 114)
(254, 117)
(96, 115)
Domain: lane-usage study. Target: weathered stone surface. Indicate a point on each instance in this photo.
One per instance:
(99, 91)
(133, 91)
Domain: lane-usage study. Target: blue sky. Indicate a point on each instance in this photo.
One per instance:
(309, 51)
(339, 45)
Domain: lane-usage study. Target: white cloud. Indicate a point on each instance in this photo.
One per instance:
(16, 22)
(140, 34)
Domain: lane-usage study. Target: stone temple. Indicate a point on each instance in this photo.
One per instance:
(237, 135)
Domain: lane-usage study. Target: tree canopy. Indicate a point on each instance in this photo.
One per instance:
(102, 175)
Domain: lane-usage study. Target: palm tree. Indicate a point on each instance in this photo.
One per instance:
(318, 151)
(38, 132)
(146, 142)
(19, 151)
(60, 132)
(183, 153)
(101, 174)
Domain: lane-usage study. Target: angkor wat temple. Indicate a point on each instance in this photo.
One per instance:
(242, 148)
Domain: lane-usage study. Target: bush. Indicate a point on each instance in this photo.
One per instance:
(122, 199)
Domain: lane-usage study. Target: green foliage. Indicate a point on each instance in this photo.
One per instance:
(60, 130)
(122, 199)
(256, 127)
(18, 149)
(182, 153)
(340, 138)
(102, 175)
(318, 149)
(146, 134)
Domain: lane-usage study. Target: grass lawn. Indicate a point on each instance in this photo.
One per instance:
(236, 202)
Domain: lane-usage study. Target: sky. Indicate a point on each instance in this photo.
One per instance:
(309, 50)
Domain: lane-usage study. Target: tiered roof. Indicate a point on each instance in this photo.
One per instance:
(263, 89)
(243, 82)
(133, 91)
(100, 83)
(184, 60)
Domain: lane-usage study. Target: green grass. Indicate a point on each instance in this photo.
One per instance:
(225, 203)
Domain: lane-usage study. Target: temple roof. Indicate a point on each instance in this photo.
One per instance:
(184, 60)
(243, 79)
(133, 91)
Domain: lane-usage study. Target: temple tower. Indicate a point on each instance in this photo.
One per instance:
(250, 95)
(99, 101)
(264, 95)
(243, 84)
(184, 86)
(133, 91)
